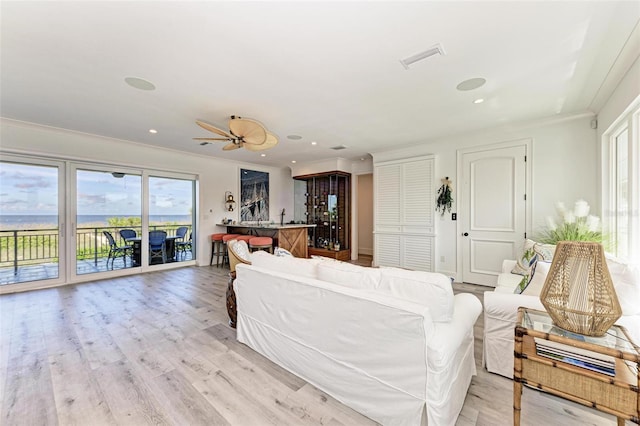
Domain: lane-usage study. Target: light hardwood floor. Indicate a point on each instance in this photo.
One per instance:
(156, 349)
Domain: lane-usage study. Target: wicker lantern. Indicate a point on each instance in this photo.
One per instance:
(578, 293)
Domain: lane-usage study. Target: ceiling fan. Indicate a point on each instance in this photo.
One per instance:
(243, 133)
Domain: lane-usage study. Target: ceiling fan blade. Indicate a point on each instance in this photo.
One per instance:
(250, 131)
(271, 141)
(213, 129)
(210, 139)
(231, 146)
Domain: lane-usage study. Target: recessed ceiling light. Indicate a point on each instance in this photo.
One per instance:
(294, 137)
(471, 84)
(293, 161)
(314, 143)
(154, 131)
(362, 159)
(139, 83)
(478, 101)
(263, 155)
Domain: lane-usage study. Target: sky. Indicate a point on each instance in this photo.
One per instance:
(33, 190)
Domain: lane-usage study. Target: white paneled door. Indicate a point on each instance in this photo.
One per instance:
(493, 219)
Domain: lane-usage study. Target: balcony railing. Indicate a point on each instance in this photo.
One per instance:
(26, 247)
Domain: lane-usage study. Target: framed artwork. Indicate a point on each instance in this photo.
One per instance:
(254, 195)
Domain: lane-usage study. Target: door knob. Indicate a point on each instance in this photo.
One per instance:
(466, 234)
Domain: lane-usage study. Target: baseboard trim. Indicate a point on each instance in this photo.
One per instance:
(365, 251)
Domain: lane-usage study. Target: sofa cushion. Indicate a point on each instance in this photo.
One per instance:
(349, 275)
(427, 288)
(288, 264)
(241, 249)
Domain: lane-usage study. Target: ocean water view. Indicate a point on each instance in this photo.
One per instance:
(51, 221)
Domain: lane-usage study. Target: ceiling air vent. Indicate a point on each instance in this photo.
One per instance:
(339, 147)
(432, 51)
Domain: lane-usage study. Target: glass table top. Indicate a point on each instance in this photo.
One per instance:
(540, 321)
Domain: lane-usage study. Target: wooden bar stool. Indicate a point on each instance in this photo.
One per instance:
(261, 243)
(216, 248)
(244, 238)
(225, 253)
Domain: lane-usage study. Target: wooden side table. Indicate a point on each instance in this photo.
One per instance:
(618, 395)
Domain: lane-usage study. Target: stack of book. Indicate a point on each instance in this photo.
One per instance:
(584, 358)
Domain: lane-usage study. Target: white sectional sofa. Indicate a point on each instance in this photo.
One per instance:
(501, 306)
(394, 345)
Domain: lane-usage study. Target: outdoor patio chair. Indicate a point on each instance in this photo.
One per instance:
(128, 233)
(183, 246)
(117, 251)
(181, 232)
(157, 248)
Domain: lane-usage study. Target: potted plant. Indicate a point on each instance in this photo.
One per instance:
(576, 225)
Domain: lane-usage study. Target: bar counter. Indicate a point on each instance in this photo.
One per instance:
(292, 237)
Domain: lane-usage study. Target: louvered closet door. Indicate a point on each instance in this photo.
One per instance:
(417, 252)
(417, 194)
(404, 214)
(387, 249)
(387, 213)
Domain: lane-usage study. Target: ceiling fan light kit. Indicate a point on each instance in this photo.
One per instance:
(243, 133)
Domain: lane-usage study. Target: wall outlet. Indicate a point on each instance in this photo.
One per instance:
(454, 216)
(442, 259)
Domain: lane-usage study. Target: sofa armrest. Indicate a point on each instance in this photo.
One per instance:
(500, 315)
(467, 309)
(504, 306)
(508, 265)
(449, 336)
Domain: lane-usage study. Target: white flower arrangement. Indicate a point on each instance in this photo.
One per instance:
(574, 225)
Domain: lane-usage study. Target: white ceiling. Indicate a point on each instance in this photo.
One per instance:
(327, 71)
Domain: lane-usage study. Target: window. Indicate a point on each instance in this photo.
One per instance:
(621, 189)
(31, 214)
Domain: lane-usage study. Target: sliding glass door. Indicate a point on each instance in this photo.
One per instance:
(171, 210)
(31, 220)
(108, 219)
(61, 221)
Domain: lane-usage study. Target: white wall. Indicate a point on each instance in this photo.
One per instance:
(322, 166)
(564, 169)
(215, 175)
(625, 93)
(365, 214)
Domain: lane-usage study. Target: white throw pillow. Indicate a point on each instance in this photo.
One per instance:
(537, 282)
(349, 275)
(288, 264)
(626, 281)
(430, 289)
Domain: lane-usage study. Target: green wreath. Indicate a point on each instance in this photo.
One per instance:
(445, 199)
